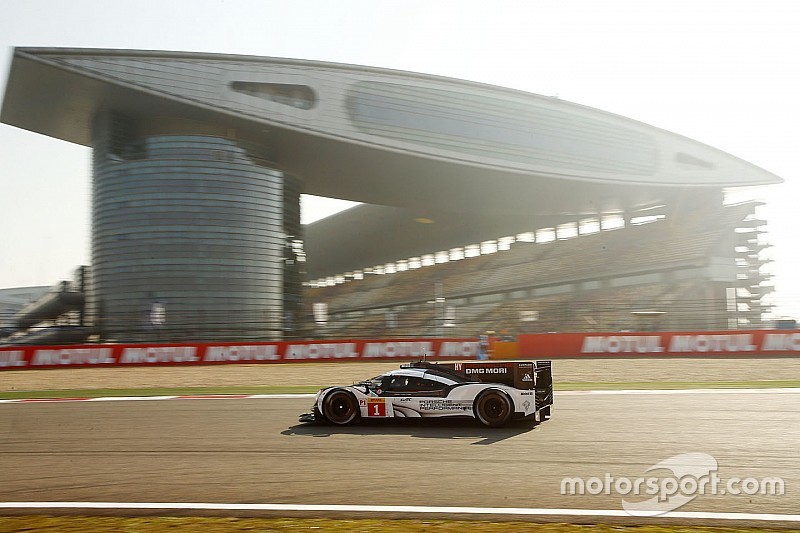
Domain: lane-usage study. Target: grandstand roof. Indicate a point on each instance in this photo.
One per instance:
(480, 161)
(380, 136)
(366, 235)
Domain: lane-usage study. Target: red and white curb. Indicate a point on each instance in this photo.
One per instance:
(406, 509)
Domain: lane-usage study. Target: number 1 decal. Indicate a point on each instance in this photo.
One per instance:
(376, 407)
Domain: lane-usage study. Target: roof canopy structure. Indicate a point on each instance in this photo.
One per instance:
(381, 136)
(435, 147)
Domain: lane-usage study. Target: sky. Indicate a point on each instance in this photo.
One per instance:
(723, 72)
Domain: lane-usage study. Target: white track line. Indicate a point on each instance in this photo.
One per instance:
(509, 511)
(228, 397)
(225, 397)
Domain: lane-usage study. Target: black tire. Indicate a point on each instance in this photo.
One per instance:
(544, 412)
(341, 408)
(493, 408)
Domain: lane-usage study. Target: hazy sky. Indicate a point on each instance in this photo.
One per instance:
(724, 72)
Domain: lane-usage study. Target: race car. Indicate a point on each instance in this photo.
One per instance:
(492, 392)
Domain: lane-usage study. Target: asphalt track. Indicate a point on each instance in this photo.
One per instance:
(254, 451)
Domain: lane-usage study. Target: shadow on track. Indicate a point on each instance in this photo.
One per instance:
(418, 428)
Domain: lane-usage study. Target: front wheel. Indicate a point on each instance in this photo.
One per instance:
(493, 408)
(340, 408)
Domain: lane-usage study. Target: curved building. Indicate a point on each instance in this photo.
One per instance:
(188, 220)
(200, 159)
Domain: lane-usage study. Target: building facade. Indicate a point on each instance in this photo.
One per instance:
(200, 159)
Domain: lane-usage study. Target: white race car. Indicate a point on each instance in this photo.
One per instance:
(492, 392)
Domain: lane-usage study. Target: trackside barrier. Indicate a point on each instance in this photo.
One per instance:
(534, 346)
(684, 343)
(122, 355)
(503, 350)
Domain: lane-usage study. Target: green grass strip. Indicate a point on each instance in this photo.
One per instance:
(233, 389)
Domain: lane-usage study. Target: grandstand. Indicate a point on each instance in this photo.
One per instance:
(483, 207)
(680, 271)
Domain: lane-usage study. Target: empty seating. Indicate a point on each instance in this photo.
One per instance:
(622, 279)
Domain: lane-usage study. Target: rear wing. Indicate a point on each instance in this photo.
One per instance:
(544, 383)
(524, 375)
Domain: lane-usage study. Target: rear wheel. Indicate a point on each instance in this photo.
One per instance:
(340, 408)
(493, 408)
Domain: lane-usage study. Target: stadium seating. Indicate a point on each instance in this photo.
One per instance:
(660, 274)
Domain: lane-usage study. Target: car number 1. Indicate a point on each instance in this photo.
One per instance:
(376, 407)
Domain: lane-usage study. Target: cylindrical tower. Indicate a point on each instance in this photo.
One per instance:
(192, 234)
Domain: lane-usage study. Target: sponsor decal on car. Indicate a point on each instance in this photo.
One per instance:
(488, 370)
(441, 405)
(376, 407)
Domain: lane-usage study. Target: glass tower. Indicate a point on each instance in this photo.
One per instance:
(196, 234)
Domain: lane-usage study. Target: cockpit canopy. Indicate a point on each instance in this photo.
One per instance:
(409, 380)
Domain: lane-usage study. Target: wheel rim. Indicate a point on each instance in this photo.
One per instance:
(494, 408)
(340, 408)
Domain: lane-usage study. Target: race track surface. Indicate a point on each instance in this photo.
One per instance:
(255, 451)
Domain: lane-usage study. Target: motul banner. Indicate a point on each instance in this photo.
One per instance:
(14, 358)
(538, 346)
(698, 343)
